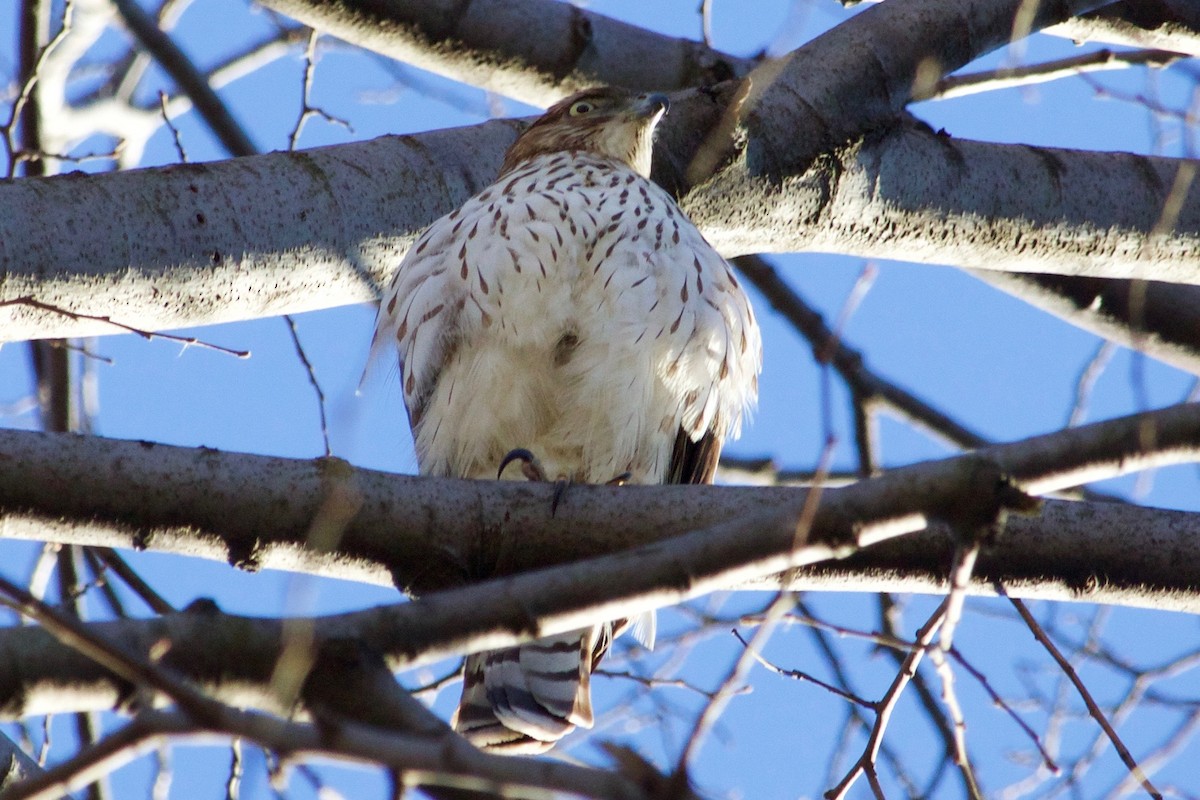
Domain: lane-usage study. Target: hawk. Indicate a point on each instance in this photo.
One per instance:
(571, 314)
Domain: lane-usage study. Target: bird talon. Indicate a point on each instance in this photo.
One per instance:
(560, 491)
(531, 468)
(620, 480)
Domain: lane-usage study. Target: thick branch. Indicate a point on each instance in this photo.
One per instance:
(536, 51)
(1164, 24)
(289, 232)
(427, 534)
(234, 657)
(255, 237)
(1152, 317)
(915, 195)
(199, 244)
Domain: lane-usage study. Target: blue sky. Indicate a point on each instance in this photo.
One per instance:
(996, 364)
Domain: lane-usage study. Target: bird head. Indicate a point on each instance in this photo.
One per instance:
(608, 121)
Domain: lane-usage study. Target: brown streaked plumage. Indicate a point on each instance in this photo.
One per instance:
(570, 309)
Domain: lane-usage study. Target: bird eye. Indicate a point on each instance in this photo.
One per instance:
(582, 107)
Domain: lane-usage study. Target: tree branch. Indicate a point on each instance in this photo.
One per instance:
(343, 216)
(257, 512)
(236, 657)
(201, 243)
(909, 193)
(1159, 319)
(189, 79)
(1163, 24)
(492, 45)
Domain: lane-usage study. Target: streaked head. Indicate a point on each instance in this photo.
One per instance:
(607, 121)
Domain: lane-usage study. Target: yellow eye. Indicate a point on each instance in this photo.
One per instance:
(582, 107)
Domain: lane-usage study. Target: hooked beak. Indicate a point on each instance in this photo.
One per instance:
(652, 105)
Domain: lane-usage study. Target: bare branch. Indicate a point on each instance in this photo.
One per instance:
(187, 341)
(1009, 77)
(503, 612)
(885, 707)
(187, 76)
(1149, 316)
(494, 45)
(799, 187)
(1163, 24)
(732, 683)
(1093, 709)
(312, 380)
(865, 385)
(434, 755)
(255, 511)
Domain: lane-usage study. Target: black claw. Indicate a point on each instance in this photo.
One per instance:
(560, 491)
(531, 468)
(620, 480)
(517, 454)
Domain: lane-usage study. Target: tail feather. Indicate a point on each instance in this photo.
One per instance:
(524, 699)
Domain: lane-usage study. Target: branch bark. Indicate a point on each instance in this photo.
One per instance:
(198, 244)
(290, 232)
(235, 658)
(491, 44)
(915, 195)
(429, 534)
(1166, 24)
(255, 237)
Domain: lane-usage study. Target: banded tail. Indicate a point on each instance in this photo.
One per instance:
(522, 700)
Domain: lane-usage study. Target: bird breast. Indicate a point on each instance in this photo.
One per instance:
(580, 315)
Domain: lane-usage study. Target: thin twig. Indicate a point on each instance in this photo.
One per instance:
(937, 655)
(166, 115)
(118, 566)
(233, 783)
(307, 109)
(732, 683)
(312, 379)
(187, 77)
(887, 705)
(1009, 77)
(1093, 709)
(1000, 702)
(1180, 737)
(30, 81)
(706, 33)
(894, 761)
(1087, 381)
(961, 570)
(188, 341)
(850, 363)
(69, 592)
(800, 675)
(889, 619)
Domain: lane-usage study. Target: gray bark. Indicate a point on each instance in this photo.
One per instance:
(286, 233)
(325, 517)
(491, 44)
(199, 244)
(233, 658)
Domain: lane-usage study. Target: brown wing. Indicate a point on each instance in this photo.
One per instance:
(694, 462)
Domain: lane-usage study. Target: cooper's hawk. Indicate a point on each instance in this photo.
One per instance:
(572, 310)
